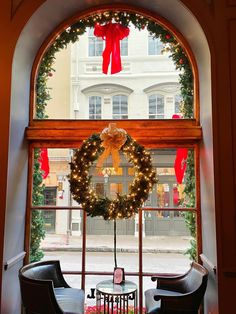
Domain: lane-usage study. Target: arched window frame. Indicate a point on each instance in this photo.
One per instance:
(152, 134)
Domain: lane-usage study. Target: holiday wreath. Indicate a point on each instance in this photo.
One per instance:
(124, 206)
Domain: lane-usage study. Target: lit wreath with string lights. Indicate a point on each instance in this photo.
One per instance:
(124, 206)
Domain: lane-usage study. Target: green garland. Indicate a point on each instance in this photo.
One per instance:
(37, 222)
(124, 206)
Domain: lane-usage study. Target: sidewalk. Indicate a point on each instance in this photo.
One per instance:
(128, 244)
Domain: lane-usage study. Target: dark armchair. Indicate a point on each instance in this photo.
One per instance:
(179, 294)
(44, 290)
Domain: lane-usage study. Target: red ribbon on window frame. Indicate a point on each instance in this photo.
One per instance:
(43, 159)
(180, 159)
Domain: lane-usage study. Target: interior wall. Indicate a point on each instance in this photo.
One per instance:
(207, 191)
(17, 180)
(52, 12)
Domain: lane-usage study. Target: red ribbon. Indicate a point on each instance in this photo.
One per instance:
(180, 159)
(112, 33)
(43, 159)
(180, 163)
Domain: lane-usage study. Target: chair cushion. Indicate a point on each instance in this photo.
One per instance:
(70, 300)
(152, 306)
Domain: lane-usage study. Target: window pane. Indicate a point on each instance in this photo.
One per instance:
(95, 107)
(116, 108)
(78, 74)
(155, 46)
(124, 47)
(101, 234)
(99, 47)
(156, 107)
(165, 232)
(95, 44)
(120, 107)
(58, 242)
(168, 192)
(178, 100)
(91, 47)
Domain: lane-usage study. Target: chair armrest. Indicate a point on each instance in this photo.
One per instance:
(47, 270)
(59, 277)
(169, 283)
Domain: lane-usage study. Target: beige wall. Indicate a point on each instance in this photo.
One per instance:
(59, 83)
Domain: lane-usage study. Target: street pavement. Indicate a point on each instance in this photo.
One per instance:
(127, 243)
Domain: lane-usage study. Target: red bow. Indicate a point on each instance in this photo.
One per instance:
(113, 33)
(180, 159)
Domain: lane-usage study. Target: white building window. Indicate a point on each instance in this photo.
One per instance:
(95, 44)
(124, 47)
(156, 107)
(120, 107)
(95, 107)
(178, 100)
(155, 46)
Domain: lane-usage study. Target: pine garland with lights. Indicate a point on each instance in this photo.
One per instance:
(124, 206)
(37, 222)
(190, 216)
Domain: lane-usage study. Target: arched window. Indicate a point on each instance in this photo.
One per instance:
(129, 94)
(120, 107)
(156, 107)
(95, 108)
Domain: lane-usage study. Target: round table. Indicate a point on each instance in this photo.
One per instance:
(112, 297)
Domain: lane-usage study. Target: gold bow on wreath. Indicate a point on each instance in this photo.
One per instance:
(112, 140)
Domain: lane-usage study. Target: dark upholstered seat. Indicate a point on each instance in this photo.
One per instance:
(45, 291)
(179, 294)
